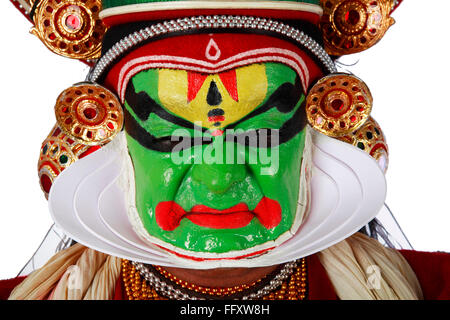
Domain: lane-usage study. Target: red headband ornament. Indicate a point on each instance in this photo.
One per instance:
(208, 53)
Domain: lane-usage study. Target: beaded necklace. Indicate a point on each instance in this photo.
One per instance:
(143, 282)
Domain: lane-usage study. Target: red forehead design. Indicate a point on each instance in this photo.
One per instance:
(196, 80)
(197, 53)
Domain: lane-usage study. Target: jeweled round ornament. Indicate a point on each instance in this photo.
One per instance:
(370, 139)
(89, 113)
(70, 28)
(58, 151)
(338, 104)
(73, 20)
(354, 25)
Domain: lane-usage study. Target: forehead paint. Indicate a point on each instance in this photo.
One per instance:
(196, 81)
(214, 100)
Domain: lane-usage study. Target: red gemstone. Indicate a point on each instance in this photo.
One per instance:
(73, 22)
(46, 183)
(90, 113)
(337, 104)
(352, 17)
(56, 132)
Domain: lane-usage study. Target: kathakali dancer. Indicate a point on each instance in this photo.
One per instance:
(214, 151)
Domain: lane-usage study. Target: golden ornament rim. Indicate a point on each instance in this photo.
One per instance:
(50, 27)
(70, 109)
(342, 38)
(353, 109)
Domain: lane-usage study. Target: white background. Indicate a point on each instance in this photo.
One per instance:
(408, 73)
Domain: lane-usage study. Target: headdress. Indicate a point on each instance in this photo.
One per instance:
(118, 38)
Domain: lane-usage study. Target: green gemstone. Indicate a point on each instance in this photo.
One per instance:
(63, 159)
(361, 145)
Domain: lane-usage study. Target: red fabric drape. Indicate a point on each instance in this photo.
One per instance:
(432, 270)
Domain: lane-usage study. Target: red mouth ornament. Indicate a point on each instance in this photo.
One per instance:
(168, 215)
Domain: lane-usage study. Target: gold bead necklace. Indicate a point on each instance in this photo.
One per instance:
(294, 287)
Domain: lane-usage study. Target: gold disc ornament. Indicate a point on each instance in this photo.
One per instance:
(89, 113)
(70, 28)
(354, 25)
(338, 104)
(58, 151)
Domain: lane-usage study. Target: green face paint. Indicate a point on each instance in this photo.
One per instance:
(236, 190)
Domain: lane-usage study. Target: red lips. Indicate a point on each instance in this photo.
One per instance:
(168, 215)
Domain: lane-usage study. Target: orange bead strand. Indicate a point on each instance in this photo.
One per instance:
(136, 288)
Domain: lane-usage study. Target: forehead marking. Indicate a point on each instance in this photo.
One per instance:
(212, 51)
(284, 56)
(196, 80)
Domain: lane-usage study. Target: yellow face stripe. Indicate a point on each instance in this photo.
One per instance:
(213, 105)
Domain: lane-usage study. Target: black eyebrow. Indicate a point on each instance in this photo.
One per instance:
(149, 141)
(295, 124)
(143, 105)
(284, 99)
(287, 131)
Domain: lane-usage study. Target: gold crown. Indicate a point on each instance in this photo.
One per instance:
(74, 28)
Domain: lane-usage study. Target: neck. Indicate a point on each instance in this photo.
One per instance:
(221, 277)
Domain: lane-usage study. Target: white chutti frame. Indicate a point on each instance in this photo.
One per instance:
(348, 190)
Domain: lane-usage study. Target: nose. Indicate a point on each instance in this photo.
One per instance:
(213, 98)
(219, 177)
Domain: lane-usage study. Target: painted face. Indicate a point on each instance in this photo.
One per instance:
(217, 158)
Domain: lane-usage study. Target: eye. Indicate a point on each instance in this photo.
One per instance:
(177, 143)
(168, 144)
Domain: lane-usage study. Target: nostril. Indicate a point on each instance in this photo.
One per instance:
(214, 98)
